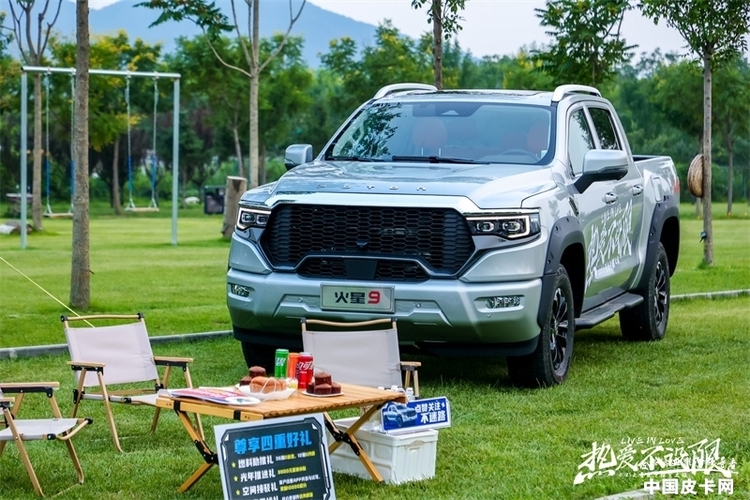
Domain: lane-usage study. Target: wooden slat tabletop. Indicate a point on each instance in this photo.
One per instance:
(353, 396)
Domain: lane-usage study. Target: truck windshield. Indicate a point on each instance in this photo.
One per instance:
(453, 132)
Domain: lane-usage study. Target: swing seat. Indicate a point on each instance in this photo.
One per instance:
(142, 209)
(52, 215)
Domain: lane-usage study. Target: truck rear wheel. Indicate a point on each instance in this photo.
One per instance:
(648, 320)
(550, 362)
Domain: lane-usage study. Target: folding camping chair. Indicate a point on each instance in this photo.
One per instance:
(354, 354)
(20, 430)
(118, 354)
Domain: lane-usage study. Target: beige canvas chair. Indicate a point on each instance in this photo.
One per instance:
(20, 430)
(117, 354)
(354, 353)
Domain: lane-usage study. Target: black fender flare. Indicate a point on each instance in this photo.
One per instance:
(565, 232)
(662, 211)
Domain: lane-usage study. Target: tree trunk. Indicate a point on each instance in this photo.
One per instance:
(254, 75)
(238, 150)
(708, 248)
(730, 181)
(253, 161)
(116, 202)
(36, 184)
(262, 165)
(236, 186)
(80, 266)
(437, 42)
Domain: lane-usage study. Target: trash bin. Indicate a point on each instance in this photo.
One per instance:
(213, 199)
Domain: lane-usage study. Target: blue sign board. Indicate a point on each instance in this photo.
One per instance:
(429, 413)
(275, 459)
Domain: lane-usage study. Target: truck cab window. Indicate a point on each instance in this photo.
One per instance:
(579, 140)
(605, 129)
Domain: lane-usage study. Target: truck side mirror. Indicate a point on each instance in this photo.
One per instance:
(602, 165)
(297, 154)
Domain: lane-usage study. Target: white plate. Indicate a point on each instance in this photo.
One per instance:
(305, 393)
(265, 396)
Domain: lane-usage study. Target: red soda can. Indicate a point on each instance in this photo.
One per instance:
(304, 370)
(291, 366)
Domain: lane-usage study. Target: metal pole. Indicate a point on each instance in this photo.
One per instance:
(175, 156)
(111, 72)
(24, 138)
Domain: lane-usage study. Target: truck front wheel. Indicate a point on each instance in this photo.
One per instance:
(550, 362)
(648, 320)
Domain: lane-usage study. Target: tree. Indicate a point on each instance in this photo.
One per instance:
(31, 39)
(212, 21)
(526, 73)
(80, 290)
(587, 47)
(224, 104)
(109, 118)
(393, 58)
(715, 31)
(732, 112)
(444, 16)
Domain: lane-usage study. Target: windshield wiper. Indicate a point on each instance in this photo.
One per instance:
(351, 158)
(438, 159)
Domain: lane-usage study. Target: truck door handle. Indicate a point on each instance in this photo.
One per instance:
(637, 190)
(610, 198)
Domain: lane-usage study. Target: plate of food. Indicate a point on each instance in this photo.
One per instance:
(266, 388)
(313, 395)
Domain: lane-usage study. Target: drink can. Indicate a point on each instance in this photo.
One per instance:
(304, 369)
(281, 362)
(291, 365)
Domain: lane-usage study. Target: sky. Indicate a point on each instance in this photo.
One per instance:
(490, 27)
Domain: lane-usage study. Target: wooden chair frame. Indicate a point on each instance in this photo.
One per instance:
(56, 428)
(139, 396)
(408, 368)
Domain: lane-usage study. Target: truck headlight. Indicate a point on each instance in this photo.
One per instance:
(512, 226)
(252, 217)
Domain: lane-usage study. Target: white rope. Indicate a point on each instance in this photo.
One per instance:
(42, 289)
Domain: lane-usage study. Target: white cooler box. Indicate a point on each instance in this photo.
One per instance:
(400, 458)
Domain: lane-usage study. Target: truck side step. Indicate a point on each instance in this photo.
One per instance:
(599, 314)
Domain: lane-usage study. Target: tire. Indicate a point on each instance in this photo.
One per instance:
(259, 355)
(550, 362)
(648, 320)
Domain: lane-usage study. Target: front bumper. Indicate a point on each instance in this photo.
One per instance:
(438, 311)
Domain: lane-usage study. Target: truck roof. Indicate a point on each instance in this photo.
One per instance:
(421, 92)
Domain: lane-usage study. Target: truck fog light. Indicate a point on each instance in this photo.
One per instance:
(503, 301)
(242, 291)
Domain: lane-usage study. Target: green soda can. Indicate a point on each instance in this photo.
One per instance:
(279, 370)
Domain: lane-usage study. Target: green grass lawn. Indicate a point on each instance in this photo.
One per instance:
(505, 443)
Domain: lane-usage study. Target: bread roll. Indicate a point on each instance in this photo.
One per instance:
(267, 384)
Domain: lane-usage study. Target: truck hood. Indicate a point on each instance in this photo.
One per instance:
(487, 186)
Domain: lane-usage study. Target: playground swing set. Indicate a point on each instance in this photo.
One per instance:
(47, 169)
(152, 207)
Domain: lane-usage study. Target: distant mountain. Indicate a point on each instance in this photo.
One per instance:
(316, 25)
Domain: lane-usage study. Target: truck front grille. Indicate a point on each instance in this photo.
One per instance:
(383, 270)
(438, 237)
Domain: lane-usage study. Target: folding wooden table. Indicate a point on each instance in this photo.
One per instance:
(353, 396)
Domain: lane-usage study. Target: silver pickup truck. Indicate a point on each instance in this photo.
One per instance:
(488, 222)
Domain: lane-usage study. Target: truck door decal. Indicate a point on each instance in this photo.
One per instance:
(610, 242)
